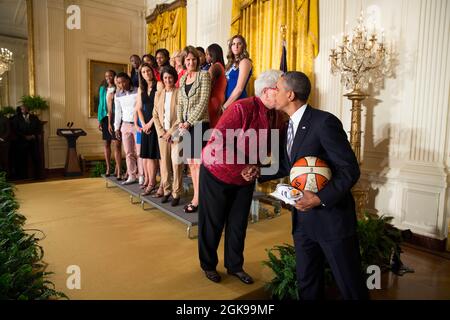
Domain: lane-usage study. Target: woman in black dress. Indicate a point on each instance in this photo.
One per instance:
(149, 139)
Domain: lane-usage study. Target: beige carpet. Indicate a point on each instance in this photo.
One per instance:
(125, 252)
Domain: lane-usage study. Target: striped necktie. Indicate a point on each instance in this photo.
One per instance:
(290, 137)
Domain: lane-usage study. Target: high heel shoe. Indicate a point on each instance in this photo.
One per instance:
(190, 208)
(149, 190)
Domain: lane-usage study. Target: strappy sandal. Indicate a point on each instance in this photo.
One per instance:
(158, 195)
(149, 190)
(190, 208)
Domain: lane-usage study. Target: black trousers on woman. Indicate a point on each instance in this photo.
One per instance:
(222, 205)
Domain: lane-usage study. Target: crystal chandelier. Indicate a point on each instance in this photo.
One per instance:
(6, 58)
(360, 59)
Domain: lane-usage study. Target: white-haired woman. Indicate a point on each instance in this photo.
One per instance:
(226, 188)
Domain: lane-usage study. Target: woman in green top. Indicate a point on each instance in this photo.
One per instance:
(102, 115)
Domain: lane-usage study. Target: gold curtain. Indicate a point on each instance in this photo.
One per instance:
(259, 21)
(168, 31)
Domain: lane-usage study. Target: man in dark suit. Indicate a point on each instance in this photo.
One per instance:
(4, 143)
(323, 223)
(27, 128)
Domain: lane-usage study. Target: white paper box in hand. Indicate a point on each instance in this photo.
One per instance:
(287, 193)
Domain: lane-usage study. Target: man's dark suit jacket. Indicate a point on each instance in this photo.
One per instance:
(320, 134)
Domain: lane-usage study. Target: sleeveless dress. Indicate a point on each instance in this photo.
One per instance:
(103, 112)
(232, 78)
(149, 142)
(217, 97)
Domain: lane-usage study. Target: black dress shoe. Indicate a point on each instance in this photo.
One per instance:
(243, 276)
(165, 199)
(175, 202)
(214, 276)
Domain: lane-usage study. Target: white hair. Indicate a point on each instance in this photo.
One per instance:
(267, 79)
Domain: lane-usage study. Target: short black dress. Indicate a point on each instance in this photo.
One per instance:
(104, 123)
(105, 132)
(149, 142)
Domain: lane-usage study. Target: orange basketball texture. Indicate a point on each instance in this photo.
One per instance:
(310, 173)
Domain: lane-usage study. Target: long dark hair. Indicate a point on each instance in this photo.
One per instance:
(232, 59)
(142, 82)
(152, 60)
(216, 53)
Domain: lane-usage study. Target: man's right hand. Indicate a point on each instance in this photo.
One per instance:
(118, 135)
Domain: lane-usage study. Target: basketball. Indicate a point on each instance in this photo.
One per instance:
(310, 173)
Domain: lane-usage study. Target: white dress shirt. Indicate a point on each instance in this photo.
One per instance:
(125, 102)
(297, 117)
(167, 101)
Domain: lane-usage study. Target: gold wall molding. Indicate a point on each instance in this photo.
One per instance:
(31, 72)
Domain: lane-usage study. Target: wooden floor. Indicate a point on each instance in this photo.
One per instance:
(127, 253)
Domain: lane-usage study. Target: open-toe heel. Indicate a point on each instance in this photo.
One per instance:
(191, 208)
(148, 191)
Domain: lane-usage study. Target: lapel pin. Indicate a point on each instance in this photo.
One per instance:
(303, 127)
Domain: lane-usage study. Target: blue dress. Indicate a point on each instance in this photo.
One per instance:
(139, 134)
(232, 78)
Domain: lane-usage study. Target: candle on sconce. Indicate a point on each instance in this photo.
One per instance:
(345, 39)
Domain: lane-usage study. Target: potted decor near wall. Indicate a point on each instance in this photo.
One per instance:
(7, 111)
(35, 103)
(379, 243)
(23, 274)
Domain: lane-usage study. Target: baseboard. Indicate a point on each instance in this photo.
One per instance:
(54, 172)
(427, 242)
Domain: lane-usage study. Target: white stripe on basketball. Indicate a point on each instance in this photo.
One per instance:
(297, 171)
(311, 161)
(311, 183)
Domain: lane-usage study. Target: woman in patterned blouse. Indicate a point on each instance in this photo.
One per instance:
(195, 87)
